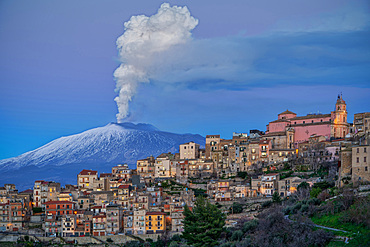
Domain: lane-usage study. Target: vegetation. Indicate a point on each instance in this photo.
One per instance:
(236, 208)
(37, 210)
(203, 225)
(276, 198)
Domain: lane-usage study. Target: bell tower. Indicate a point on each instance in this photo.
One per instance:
(339, 125)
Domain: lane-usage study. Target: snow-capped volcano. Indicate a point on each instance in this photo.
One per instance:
(99, 148)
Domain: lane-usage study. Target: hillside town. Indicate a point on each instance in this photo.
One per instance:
(248, 168)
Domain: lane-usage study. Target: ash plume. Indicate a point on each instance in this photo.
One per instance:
(143, 41)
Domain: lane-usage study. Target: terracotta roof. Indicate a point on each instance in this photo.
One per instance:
(278, 133)
(124, 186)
(209, 136)
(86, 172)
(99, 216)
(309, 116)
(29, 191)
(155, 213)
(264, 142)
(280, 120)
(271, 174)
(287, 112)
(103, 175)
(59, 202)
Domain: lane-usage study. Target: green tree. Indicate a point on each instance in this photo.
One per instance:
(203, 225)
(276, 198)
(236, 208)
(303, 185)
(315, 192)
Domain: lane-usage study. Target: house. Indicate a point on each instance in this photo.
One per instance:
(139, 221)
(86, 179)
(155, 222)
(360, 164)
(99, 225)
(114, 217)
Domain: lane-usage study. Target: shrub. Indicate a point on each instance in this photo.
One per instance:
(323, 195)
(314, 201)
(315, 192)
(304, 208)
(287, 210)
(276, 198)
(237, 235)
(226, 244)
(266, 204)
(109, 240)
(297, 207)
(250, 225)
(236, 208)
(176, 237)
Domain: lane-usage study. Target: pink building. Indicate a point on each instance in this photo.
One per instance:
(333, 125)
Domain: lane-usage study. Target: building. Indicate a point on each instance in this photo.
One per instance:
(12, 216)
(114, 219)
(139, 221)
(212, 144)
(361, 123)
(299, 129)
(86, 179)
(155, 222)
(360, 164)
(189, 151)
(146, 169)
(59, 208)
(99, 225)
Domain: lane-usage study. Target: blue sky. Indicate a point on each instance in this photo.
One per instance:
(247, 62)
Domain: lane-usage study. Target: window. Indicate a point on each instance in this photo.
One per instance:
(357, 160)
(364, 150)
(321, 120)
(311, 121)
(304, 121)
(358, 150)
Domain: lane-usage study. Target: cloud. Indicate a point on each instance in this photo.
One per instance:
(238, 63)
(144, 39)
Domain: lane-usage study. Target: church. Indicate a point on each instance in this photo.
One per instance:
(289, 130)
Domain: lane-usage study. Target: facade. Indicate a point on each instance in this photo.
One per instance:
(139, 221)
(155, 222)
(86, 179)
(333, 125)
(189, 151)
(360, 164)
(362, 123)
(114, 219)
(12, 216)
(212, 144)
(99, 225)
(59, 208)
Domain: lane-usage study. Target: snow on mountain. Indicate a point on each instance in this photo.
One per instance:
(99, 148)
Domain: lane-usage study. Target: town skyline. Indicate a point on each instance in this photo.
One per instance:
(58, 61)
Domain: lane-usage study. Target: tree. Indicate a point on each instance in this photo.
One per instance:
(236, 208)
(276, 198)
(303, 185)
(203, 225)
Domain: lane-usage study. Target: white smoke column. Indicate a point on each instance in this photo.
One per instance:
(144, 39)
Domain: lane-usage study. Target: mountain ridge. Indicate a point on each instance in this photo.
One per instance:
(99, 148)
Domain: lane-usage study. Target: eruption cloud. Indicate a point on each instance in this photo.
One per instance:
(143, 41)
